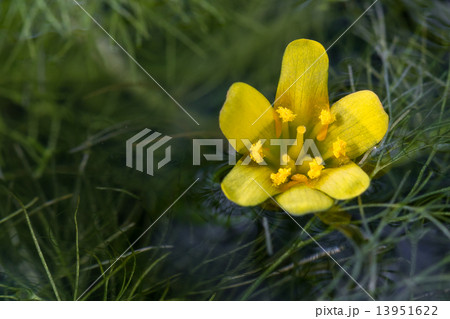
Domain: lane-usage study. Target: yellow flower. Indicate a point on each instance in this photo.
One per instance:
(301, 111)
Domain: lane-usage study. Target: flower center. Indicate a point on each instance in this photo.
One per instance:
(315, 169)
(256, 152)
(290, 174)
(339, 148)
(286, 115)
(280, 177)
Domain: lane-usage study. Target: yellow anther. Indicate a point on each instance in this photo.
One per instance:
(326, 117)
(315, 169)
(286, 115)
(280, 177)
(339, 148)
(256, 152)
(299, 178)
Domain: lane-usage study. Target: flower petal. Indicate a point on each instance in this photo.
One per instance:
(343, 182)
(243, 105)
(302, 199)
(303, 82)
(360, 121)
(240, 187)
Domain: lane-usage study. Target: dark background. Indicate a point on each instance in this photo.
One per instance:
(70, 98)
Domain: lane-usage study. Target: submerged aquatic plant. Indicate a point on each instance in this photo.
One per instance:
(301, 112)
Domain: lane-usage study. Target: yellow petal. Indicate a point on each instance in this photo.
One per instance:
(240, 187)
(302, 199)
(343, 182)
(243, 105)
(360, 121)
(303, 82)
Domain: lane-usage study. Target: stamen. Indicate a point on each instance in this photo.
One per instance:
(280, 177)
(299, 178)
(286, 115)
(256, 152)
(315, 168)
(339, 148)
(295, 150)
(295, 180)
(326, 117)
(300, 131)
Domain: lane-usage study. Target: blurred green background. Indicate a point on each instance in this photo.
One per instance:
(70, 98)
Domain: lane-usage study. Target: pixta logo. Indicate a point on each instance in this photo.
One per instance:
(143, 142)
(143, 145)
